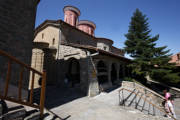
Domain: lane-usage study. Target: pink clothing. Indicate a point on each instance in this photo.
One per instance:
(167, 95)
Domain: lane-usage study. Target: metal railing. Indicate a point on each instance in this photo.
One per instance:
(122, 100)
(159, 98)
(23, 66)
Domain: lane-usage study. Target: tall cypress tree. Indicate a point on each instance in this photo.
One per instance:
(147, 58)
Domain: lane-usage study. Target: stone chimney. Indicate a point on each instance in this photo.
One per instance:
(87, 26)
(71, 15)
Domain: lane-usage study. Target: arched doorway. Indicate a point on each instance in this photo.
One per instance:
(102, 72)
(113, 73)
(74, 71)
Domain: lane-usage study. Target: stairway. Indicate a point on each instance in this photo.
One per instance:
(14, 90)
(141, 102)
(14, 111)
(135, 98)
(133, 104)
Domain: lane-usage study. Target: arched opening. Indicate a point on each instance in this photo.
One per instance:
(74, 71)
(113, 73)
(121, 72)
(102, 72)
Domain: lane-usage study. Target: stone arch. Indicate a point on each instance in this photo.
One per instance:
(113, 73)
(102, 72)
(73, 73)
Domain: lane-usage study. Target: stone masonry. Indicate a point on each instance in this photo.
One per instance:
(17, 22)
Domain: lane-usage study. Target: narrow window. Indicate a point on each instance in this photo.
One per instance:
(178, 56)
(105, 48)
(53, 41)
(42, 35)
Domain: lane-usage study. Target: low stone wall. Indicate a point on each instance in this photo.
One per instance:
(174, 91)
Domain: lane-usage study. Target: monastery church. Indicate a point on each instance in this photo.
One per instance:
(73, 56)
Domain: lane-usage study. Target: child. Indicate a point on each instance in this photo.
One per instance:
(166, 94)
(169, 107)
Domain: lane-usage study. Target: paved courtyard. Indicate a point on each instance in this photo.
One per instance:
(86, 108)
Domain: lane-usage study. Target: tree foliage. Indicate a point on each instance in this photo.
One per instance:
(148, 59)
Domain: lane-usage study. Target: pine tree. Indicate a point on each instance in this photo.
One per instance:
(147, 58)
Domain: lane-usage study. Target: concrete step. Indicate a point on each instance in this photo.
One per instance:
(33, 116)
(19, 112)
(15, 113)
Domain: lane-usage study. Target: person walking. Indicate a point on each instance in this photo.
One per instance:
(169, 107)
(167, 94)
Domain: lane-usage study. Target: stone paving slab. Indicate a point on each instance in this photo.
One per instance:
(90, 109)
(177, 108)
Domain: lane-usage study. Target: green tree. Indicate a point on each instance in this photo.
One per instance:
(148, 59)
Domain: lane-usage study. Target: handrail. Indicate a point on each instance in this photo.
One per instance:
(19, 97)
(148, 102)
(2, 53)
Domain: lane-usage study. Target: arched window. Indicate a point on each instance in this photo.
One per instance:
(102, 72)
(42, 35)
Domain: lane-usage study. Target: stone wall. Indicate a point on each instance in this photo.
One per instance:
(66, 52)
(104, 44)
(37, 61)
(17, 21)
(49, 35)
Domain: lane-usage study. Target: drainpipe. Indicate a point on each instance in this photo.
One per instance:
(59, 42)
(90, 56)
(94, 67)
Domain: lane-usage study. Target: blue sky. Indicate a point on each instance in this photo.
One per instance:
(112, 17)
